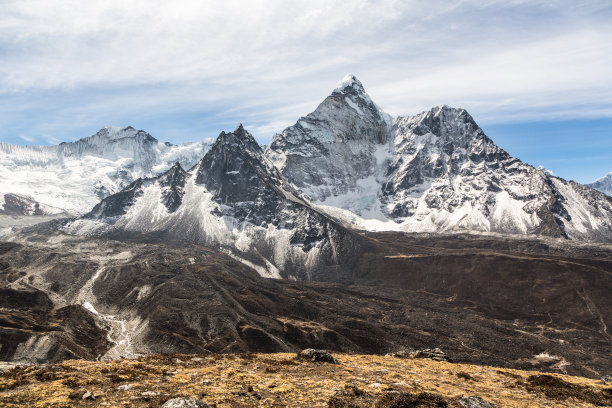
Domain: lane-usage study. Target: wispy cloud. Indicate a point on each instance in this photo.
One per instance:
(188, 69)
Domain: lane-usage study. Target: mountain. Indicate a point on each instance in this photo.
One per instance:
(17, 204)
(75, 176)
(603, 184)
(236, 200)
(433, 172)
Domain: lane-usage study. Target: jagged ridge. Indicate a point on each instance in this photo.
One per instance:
(435, 171)
(235, 199)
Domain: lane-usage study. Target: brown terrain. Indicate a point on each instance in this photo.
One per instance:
(506, 302)
(279, 380)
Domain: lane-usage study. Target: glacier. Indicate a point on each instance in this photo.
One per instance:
(75, 176)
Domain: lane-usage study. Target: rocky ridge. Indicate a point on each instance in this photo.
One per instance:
(234, 199)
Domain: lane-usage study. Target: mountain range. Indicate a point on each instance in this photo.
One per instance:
(352, 230)
(75, 176)
(349, 166)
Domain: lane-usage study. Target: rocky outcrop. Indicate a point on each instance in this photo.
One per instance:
(316, 356)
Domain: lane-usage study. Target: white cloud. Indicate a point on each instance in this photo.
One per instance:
(268, 62)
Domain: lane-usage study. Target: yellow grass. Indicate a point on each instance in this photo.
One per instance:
(276, 380)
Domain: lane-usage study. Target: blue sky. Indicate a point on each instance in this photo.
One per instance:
(536, 75)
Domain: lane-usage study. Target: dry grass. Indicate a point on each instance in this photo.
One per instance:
(274, 380)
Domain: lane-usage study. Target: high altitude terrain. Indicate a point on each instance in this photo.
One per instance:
(279, 380)
(603, 184)
(73, 177)
(352, 231)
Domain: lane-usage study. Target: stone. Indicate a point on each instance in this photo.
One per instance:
(88, 395)
(317, 356)
(475, 402)
(433, 354)
(185, 403)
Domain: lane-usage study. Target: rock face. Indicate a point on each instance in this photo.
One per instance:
(435, 171)
(603, 184)
(75, 176)
(17, 204)
(32, 331)
(332, 150)
(234, 199)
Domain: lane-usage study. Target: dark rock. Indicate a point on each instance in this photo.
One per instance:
(317, 356)
(606, 379)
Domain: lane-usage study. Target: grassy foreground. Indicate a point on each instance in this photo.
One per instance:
(274, 380)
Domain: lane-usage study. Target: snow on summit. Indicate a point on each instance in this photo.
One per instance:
(74, 176)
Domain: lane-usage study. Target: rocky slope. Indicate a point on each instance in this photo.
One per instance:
(603, 184)
(75, 176)
(236, 201)
(436, 171)
(511, 303)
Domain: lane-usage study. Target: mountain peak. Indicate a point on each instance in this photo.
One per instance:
(112, 133)
(349, 82)
(239, 137)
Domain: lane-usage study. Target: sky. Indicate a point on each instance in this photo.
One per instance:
(535, 75)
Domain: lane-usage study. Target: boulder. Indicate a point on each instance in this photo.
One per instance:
(317, 356)
(433, 354)
(184, 403)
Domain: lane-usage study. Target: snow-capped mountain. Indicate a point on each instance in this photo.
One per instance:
(603, 184)
(433, 172)
(233, 199)
(75, 176)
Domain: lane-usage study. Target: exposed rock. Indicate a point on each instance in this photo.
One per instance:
(400, 354)
(433, 354)
(184, 403)
(475, 402)
(317, 356)
(606, 379)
